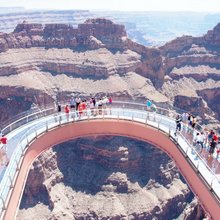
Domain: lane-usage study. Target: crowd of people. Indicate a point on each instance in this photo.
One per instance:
(205, 139)
(83, 106)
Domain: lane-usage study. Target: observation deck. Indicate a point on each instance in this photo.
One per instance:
(31, 134)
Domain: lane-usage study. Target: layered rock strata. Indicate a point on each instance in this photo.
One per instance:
(99, 49)
(92, 35)
(104, 178)
(193, 56)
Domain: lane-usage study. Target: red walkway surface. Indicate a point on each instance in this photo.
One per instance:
(111, 127)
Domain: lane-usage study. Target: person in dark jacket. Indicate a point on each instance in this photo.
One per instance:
(178, 123)
(212, 147)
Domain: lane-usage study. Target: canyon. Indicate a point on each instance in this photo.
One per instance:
(106, 178)
(42, 64)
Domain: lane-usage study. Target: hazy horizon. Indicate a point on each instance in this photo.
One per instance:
(212, 6)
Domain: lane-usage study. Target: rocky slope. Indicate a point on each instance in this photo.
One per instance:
(104, 178)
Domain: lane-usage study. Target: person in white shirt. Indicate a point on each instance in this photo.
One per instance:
(91, 107)
(202, 140)
(197, 139)
(185, 116)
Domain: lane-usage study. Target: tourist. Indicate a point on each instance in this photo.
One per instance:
(197, 140)
(178, 124)
(104, 104)
(215, 137)
(57, 114)
(185, 117)
(99, 106)
(202, 140)
(66, 109)
(95, 106)
(154, 108)
(206, 142)
(212, 147)
(190, 119)
(80, 109)
(148, 104)
(84, 106)
(110, 100)
(58, 107)
(184, 121)
(210, 136)
(4, 141)
(94, 101)
(72, 103)
(193, 122)
(77, 101)
(91, 107)
(104, 101)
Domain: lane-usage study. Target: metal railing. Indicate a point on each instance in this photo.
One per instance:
(47, 119)
(37, 112)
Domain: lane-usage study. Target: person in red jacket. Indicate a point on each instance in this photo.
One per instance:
(66, 109)
(110, 100)
(80, 109)
(4, 141)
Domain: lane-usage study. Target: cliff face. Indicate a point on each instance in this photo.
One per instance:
(193, 51)
(129, 179)
(15, 100)
(93, 35)
(192, 69)
(104, 32)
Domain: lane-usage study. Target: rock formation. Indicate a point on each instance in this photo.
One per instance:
(129, 179)
(192, 64)
(188, 51)
(89, 37)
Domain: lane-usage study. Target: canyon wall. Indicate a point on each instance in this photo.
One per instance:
(93, 34)
(105, 178)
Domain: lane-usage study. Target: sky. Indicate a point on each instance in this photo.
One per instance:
(119, 5)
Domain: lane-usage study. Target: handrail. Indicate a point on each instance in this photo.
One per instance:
(32, 133)
(171, 111)
(8, 128)
(26, 119)
(32, 110)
